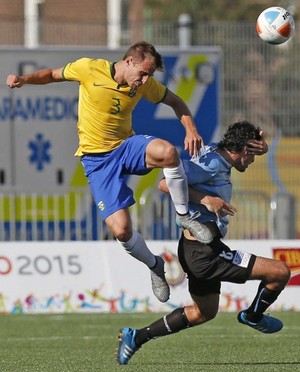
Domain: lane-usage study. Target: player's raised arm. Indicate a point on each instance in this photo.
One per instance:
(41, 77)
(258, 147)
(193, 141)
(212, 203)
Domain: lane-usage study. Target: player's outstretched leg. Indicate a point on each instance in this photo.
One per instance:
(177, 185)
(137, 248)
(267, 324)
(126, 347)
(160, 287)
(201, 232)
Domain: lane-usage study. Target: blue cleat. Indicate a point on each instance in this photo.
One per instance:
(126, 347)
(267, 324)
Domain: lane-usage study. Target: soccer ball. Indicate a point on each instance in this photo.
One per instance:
(275, 25)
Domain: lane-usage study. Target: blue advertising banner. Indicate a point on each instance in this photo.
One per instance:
(195, 77)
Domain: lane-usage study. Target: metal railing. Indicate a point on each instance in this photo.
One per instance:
(73, 216)
(49, 216)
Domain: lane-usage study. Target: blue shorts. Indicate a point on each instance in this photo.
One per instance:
(106, 173)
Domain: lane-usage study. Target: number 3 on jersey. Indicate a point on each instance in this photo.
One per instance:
(116, 106)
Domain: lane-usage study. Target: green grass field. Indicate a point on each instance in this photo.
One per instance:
(86, 342)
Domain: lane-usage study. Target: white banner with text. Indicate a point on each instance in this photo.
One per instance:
(61, 277)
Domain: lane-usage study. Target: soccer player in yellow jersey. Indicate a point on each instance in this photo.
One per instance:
(109, 148)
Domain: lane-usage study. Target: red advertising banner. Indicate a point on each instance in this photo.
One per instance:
(291, 256)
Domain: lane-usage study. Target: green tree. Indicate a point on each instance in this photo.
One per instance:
(213, 10)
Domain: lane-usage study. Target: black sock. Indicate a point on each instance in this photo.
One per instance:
(171, 323)
(263, 299)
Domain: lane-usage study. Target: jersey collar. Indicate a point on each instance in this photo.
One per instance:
(112, 73)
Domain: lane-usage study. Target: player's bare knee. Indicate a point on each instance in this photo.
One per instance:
(278, 276)
(171, 157)
(283, 272)
(123, 235)
(204, 316)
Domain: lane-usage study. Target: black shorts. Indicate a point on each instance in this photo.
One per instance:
(209, 265)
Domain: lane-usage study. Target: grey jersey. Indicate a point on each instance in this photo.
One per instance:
(210, 173)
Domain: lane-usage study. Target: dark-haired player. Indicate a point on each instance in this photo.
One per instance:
(209, 265)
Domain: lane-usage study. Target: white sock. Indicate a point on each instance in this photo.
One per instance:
(177, 183)
(137, 248)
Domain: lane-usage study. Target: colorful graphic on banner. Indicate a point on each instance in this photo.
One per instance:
(65, 277)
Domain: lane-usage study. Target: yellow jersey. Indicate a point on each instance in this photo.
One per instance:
(105, 107)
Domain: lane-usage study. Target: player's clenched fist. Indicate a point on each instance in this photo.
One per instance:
(14, 81)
